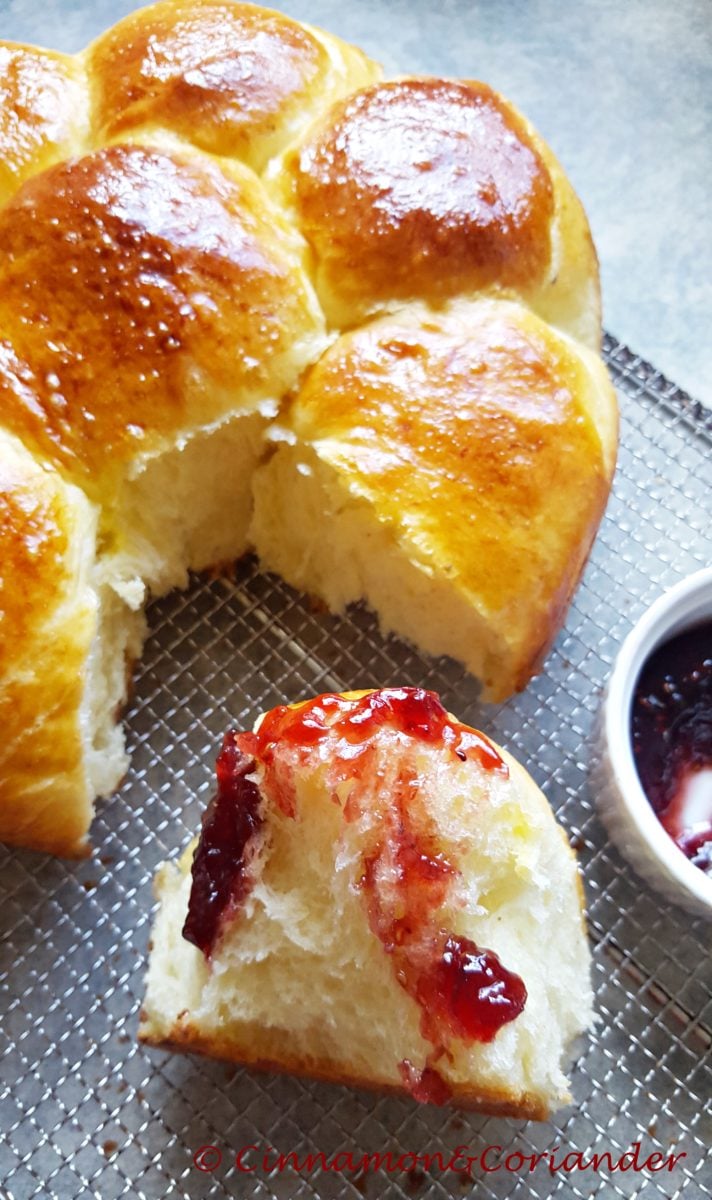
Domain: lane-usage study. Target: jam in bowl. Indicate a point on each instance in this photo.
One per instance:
(651, 766)
(671, 728)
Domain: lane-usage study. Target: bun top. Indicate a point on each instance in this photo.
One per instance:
(143, 294)
(43, 112)
(483, 440)
(233, 79)
(424, 188)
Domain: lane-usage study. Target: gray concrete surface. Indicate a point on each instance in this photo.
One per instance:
(622, 89)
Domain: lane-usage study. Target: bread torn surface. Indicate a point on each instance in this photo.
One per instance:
(299, 981)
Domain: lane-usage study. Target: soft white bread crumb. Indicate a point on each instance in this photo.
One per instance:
(166, 522)
(115, 647)
(300, 981)
(187, 508)
(298, 497)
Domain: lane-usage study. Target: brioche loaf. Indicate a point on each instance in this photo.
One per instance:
(191, 211)
(379, 896)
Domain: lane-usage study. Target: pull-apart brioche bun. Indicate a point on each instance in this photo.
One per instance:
(192, 210)
(381, 897)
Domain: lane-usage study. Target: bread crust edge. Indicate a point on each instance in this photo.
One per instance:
(186, 1038)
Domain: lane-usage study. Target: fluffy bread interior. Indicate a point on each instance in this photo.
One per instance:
(297, 496)
(166, 523)
(116, 646)
(186, 509)
(299, 980)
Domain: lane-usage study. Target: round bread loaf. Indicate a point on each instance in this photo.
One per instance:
(379, 896)
(191, 211)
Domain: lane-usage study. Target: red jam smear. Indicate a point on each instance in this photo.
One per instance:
(463, 990)
(415, 712)
(422, 884)
(426, 1086)
(405, 879)
(671, 726)
(231, 833)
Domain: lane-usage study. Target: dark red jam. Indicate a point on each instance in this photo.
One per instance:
(463, 991)
(468, 992)
(672, 739)
(426, 1086)
(405, 879)
(412, 711)
(232, 826)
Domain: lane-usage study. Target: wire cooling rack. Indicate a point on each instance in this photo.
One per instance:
(87, 1112)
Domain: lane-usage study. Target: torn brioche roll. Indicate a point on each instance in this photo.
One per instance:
(451, 469)
(67, 641)
(381, 897)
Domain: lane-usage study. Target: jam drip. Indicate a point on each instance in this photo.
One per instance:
(415, 712)
(468, 992)
(672, 739)
(426, 1086)
(463, 991)
(231, 835)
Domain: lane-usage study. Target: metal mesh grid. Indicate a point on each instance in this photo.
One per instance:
(86, 1111)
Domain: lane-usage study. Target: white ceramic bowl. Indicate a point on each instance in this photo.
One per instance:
(622, 802)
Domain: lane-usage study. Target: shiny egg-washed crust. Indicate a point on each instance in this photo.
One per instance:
(507, 512)
(155, 276)
(43, 112)
(48, 622)
(232, 79)
(427, 189)
(166, 293)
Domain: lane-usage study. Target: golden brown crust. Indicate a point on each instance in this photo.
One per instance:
(149, 290)
(424, 188)
(475, 440)
(263, 1050)
(163, 294)
(43, 111)
(224, 76)
(47, 621)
